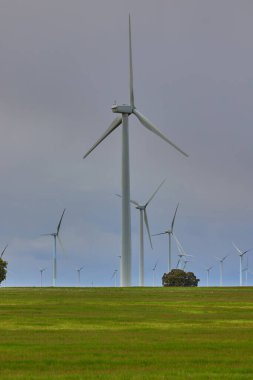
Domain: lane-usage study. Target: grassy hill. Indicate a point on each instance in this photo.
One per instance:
(126, 333)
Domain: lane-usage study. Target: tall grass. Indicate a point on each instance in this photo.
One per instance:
(126, 333)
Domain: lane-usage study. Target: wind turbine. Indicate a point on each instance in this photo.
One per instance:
(241, 254)
(114, 275)
(207, 274)
(181, 251)
(41, 274)
(56, 237)
(185, 263)
(221, 268)
(170, 233)
(3, 251)
(125, 110)
(78, 274)
(144, 218)
(154, 269)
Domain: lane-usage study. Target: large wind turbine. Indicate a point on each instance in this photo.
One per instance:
(144, 218)
(241, 254)
(56, 237)
(125, 110)
(170, 233)
(221, 268)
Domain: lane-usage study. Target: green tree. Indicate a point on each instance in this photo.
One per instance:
(178, 277)
(3, 270)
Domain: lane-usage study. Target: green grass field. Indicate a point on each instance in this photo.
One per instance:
(126, 333)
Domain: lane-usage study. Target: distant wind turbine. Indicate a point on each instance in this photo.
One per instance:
(79, 274)
(170, 233)
(3, 251)
(207, 274)
(115, 275)
(143, 218)
(41, 275)
(241, 254)
(56, 236)
(181, 251)
(221, 268)
(125, 111)
(154, 269)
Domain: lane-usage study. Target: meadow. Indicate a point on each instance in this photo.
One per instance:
(126, 333)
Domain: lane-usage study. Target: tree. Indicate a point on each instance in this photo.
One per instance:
(178, 277)
(3, 270)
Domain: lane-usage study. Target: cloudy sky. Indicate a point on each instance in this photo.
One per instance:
(63, 64)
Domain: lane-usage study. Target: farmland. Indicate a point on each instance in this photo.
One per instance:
(126, 333)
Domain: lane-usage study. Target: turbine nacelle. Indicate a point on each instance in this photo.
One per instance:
(124, 108)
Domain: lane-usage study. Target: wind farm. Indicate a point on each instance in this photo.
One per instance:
(101, 309)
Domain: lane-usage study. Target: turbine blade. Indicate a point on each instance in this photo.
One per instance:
(134, 202)
(173, 220)
(59, 224)
(131, 200)
(147, 124)
(152, 196)
(161, 233)
(4, 250)
(179, 246)
(237, 249)
(116, 122)
(131, 87)
(147, 226)
(60, 242)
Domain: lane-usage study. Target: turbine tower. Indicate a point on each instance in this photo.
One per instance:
(125, 111)
(56, 237)
(207, 275)
(144, 218)
(241, 254)
(79, 274)
(221, 268)
(170, 233)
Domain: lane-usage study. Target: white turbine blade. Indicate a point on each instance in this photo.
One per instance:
(60, 242)
(224, 257)
(173, 220)
(179, 246)
(161, 233)
(152, 196)
(134, 202)
(59, 224)
(147, 124)
(237, 249)
(3, 251)
(131, 200)
(131, 87)
(116, 122)
(147, 226)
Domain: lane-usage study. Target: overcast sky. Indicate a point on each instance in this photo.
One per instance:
(63, 64)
